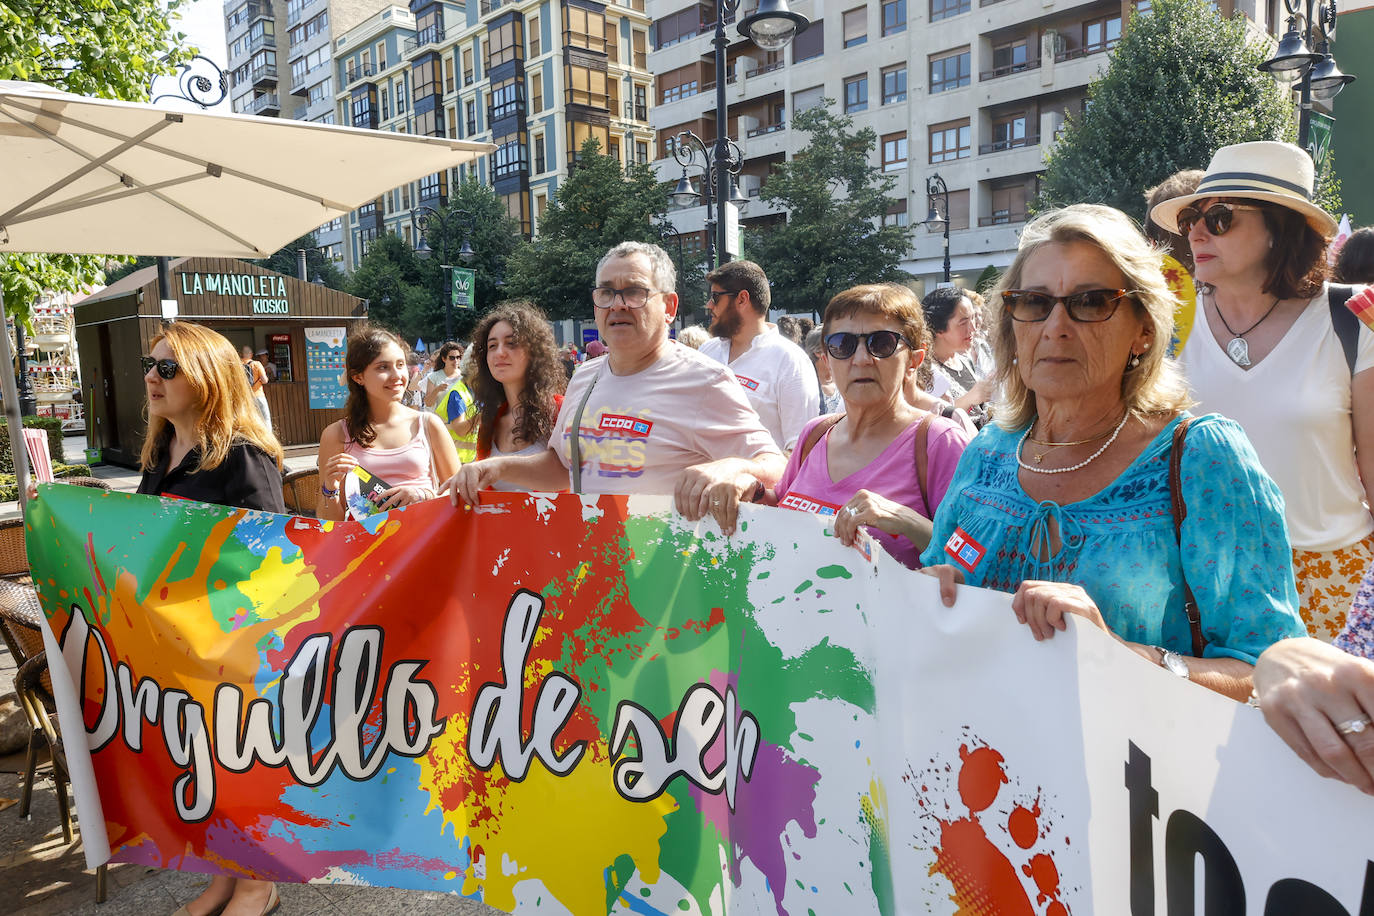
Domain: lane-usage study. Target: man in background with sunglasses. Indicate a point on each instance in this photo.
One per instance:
(651, 416)
(776, 375)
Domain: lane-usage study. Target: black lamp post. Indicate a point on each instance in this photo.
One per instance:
(935, 187)
(771, 26)
(460, 219)
(1315, 72)
(28, 401)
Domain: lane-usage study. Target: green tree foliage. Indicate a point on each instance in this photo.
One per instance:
(316, 264)
(1182, 83)
(692, 268)
(106, 48)
(390, 277)
(834, 237)
(599, 206)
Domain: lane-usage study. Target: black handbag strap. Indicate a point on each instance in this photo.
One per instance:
(1179, 510)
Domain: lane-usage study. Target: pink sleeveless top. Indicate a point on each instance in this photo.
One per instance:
(406, 466)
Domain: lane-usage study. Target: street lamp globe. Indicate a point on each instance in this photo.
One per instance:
(466, 254)
(737, 196)
(685, 194)
(1292, 59)
(773, 25)
(1328, 80)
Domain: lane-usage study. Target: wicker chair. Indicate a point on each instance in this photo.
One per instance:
(35, 695)
(301, 490)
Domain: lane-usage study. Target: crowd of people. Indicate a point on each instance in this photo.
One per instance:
(1209, 511)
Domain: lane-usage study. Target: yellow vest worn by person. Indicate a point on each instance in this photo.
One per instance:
(457, 402)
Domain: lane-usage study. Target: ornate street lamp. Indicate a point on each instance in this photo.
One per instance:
(1315, 73)
(935, 221)
(424, 219)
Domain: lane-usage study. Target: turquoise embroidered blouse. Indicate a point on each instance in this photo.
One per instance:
(1119, 544)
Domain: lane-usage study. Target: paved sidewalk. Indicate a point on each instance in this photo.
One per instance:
(42, 876)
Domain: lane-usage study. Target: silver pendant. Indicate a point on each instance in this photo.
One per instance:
(1239, 351)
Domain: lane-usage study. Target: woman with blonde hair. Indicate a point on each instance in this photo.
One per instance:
(207, 441)
(408, 449)
(1066, 499)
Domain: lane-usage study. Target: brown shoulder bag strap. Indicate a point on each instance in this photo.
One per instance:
(825, 425)
(1179, 510)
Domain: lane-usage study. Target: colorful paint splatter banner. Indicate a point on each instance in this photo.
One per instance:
(567, 705)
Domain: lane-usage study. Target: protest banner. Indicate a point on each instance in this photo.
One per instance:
(592, 706)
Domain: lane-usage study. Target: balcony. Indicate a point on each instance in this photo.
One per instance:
(300, 83)
(999, 146)
(263, 105)
(767, 129)
(248, 14)
(1009, 69)
(265, 75)
(488, 6)
(360, 71)
(262, 43)
(431, 35)
(1076, 53)
(776, 65)
(1002, 218)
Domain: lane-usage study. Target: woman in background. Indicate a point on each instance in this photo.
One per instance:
(207, 441)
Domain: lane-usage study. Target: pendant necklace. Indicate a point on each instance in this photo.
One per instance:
(1020, 447)
(1236, 347)
(1050, 446)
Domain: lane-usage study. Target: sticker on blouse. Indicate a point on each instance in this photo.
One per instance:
(632, 426)
(964, 550)
(747, 382)
(803, 503)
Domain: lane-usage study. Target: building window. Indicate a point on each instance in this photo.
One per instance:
(467, 66)
(320, 92)
(424, 77)
(807, 99)
(385, 96)
(678, 84)
(470, 116)
(894, 84)
(641, 103)
(896, 214)
(509, 159)
(448, 75)
(677, 27)
(504, 44)
(641, 46)
(584, 29)
(809, 45)
(641, 152)
(1101, 34)
(537, 92)
(1012, 57)
(894, 151)
(614, 150)
(856, 94)
(855, 27)
(958, 208)
(894, 17)
(540, 165)
(943, 9)
(535, 47)
(504, 100)
(1008, 205)
(398, 89)
(585, 86)
(949, 71)
(951, 141)
(1008, 132)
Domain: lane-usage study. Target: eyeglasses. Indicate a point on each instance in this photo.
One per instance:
(1087, 306)
(879, 344)
(714, 296)
(634, 297)
(453, 357)
(1218, 219)
(167, 368)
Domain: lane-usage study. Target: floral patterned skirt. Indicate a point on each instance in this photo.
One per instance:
(1327, 583)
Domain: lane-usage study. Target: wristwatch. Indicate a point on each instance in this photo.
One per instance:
(1172, 661)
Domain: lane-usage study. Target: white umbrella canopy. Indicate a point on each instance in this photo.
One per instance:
(95, 176)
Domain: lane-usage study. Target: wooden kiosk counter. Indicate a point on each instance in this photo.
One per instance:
(301, 325)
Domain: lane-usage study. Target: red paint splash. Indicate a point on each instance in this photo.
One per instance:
(984, 879)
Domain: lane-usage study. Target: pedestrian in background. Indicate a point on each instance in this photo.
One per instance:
(257, 380)
(1355, 263)
(1178, 261)
(446, 371)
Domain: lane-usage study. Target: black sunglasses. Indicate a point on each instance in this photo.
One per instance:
(1218, 218)
(715, 296)
(167, 368)
(1087, 306)
(879, 344)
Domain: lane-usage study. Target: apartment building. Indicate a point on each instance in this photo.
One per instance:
(280, 65)
(534, 77)
(971, 90)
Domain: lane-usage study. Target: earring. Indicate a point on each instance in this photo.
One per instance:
(1145, 346)
(1015, 361)
(1133, 362)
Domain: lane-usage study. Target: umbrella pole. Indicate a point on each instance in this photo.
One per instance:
(13, 420)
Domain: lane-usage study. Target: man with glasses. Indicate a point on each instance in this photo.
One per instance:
(651, 416)
(776, 375)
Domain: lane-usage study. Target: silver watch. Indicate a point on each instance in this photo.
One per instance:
(1173, 661)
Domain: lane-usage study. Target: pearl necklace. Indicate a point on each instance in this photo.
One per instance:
(1020, 445)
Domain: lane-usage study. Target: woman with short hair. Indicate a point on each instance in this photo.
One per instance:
(1066, 500)
(1274, 348)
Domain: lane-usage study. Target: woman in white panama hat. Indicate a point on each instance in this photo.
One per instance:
(1269, 351)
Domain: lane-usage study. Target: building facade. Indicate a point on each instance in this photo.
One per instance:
(534, 77)
(971, 90)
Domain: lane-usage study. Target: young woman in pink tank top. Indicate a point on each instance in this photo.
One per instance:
(408, 449)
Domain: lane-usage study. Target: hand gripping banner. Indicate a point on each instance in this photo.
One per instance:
(566, 705)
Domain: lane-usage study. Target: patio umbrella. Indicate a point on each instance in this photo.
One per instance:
(95, 176)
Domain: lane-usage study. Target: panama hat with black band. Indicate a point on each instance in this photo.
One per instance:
(1268, 171)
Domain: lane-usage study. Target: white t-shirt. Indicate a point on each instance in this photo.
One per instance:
(640, 432)
(778, 380)
(1295, 406)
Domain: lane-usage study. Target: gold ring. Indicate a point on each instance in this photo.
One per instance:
(1354, 726)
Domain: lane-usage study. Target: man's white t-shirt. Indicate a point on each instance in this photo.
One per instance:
(778, 379)
(640, 432)
(1295, 406)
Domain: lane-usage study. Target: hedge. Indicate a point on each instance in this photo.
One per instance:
(9, 492)
(51, 424)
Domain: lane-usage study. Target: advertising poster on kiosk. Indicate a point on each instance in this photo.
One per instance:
(324, 359)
